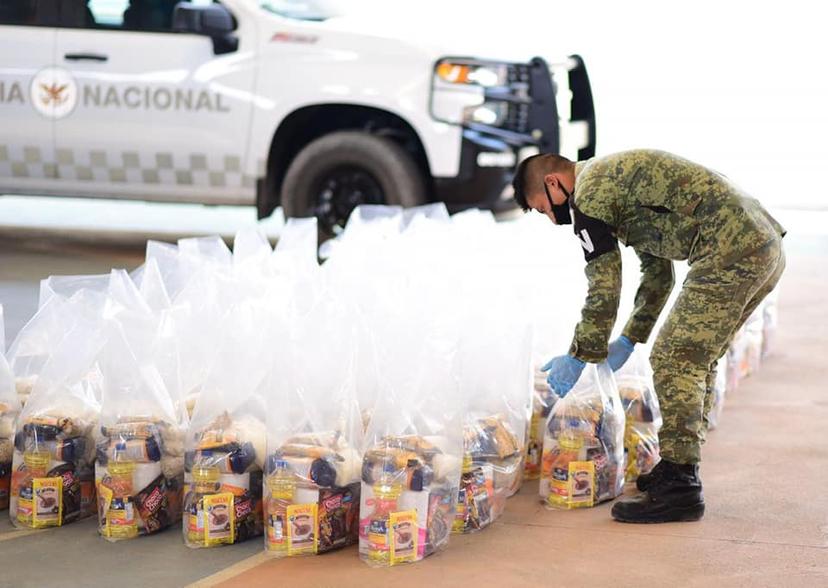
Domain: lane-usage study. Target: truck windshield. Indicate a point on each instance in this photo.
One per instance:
(305, 9)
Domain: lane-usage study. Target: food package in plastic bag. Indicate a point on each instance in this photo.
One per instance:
(312, 481)
(736, 354)
(139, 471)
(754, 332)
(53, 480)
(9, 409)
(226, 439)
(542, 401)
(718, 395)
(414, 445)
(643, 416)
(583, 447)
(770, 321)
(495, 386)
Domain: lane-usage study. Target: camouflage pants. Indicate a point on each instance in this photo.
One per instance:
(713, 304)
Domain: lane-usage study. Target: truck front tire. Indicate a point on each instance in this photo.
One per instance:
(337, 172)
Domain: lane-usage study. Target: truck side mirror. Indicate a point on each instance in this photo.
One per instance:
(213, 21)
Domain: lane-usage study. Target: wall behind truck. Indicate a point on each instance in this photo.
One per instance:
(735, 86)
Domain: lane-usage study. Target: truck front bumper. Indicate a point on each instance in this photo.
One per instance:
(489, 155)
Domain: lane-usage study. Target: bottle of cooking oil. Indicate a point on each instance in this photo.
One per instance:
(569, 451)
(463, 496)
(205, 483)
(281, 486)
(120, 516)
(37, 463)
(386, 494)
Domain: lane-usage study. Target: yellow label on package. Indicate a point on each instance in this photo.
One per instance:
(116, 516)
(302, 528)
(104, 503)
(47, 496)
(581, 484)
(404, 536)
(219, 519)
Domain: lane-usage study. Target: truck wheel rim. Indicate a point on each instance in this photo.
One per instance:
(340, 191)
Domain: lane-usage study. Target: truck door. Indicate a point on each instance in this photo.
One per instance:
(160, 115)
(30, 95)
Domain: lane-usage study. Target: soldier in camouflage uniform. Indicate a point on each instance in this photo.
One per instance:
(666, 208)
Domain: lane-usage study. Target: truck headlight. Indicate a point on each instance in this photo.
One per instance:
(488, 113)
(459, 71)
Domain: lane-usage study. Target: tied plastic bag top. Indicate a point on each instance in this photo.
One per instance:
(311, 486)
(583, 447)
(54, 448)
(414, 446)
(226, 438)
(139, 471)
(494, 384)
(643, 416)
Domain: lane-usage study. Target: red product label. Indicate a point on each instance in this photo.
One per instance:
(153, 505)
(243, 508)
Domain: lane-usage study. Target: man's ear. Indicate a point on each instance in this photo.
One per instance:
(551, 180)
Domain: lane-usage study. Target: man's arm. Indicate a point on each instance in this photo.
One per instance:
(657, 281)
(600, 308)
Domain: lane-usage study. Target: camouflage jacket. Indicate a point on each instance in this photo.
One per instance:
(666, 208)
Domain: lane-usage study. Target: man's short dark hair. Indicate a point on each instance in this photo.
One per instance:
(530, 170)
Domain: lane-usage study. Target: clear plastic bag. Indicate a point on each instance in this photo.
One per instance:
(226, 439)
(9, 409)
(583, 447)
(714, 416)
(754, 334)
(495, 386)
(414, 445)
(770, 322)
(139, 469)
(35, 342)
(53, 480)
(311, 486)
(643, 416)
(542, 400)
(737, 360)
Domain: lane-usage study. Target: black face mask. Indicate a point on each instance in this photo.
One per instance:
(560, 211)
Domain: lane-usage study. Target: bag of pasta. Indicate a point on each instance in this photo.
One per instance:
(314, 436)
(226, 439)
(583, 446)
(643, 416)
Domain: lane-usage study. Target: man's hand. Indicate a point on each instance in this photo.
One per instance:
(564, 371)
(619, 352)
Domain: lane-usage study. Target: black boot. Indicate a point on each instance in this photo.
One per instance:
(645, 480)
(674, 493)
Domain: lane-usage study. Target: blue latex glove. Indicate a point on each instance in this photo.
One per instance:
(619, 352)
(564, 371)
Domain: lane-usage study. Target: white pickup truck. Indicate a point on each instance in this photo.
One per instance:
(251, 102)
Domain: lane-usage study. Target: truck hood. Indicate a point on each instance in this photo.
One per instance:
(436, 38)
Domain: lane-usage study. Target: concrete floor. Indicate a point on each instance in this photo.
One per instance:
(765, 474)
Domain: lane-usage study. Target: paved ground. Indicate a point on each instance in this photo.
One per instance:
(765, 471)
